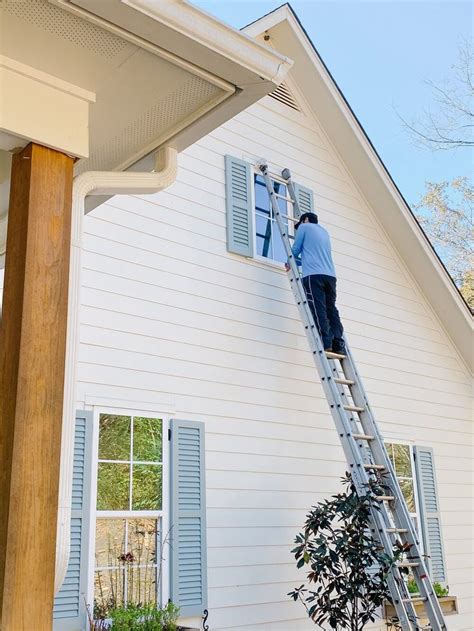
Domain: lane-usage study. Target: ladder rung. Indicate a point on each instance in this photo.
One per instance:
(363, 436)
(397, 530)
(331, 355)
(287, 199)
(353, 408)
(288, 217)
(407, 564)
(385, 498)
(416, 599)
(344, 382)
(376, 467)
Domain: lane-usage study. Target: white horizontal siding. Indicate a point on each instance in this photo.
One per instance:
(169, 316)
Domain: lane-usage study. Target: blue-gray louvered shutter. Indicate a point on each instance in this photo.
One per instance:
(69, 611)
(188, 518)
(429, 512)
(304, 197)
(240, 220)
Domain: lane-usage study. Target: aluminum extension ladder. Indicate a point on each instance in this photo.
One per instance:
(362, 443)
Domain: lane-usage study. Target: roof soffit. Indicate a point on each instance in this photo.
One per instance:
(145, 94)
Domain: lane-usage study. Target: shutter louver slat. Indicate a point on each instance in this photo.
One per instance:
(188, 518)
(239, 207)
(429, 513)
(69, 611)
(304, 197)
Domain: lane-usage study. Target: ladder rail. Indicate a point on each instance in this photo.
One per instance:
(368, 449)
(325, 369)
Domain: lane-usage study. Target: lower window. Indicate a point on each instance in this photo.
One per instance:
(129, 513)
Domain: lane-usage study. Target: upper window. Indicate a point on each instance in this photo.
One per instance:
(129, 535)
(401, 457)
(268, 240)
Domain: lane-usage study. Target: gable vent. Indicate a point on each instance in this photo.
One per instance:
(283, 94)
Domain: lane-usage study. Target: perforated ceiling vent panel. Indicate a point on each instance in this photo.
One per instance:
(283, 95)
(65, 25)
(165, 114)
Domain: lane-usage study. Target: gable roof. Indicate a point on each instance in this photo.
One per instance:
(356, 150)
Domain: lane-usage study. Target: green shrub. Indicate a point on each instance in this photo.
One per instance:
(348, 569)
(412, 586)
(440, 590)
(140, 618)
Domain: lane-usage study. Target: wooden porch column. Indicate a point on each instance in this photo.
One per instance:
(32, 359)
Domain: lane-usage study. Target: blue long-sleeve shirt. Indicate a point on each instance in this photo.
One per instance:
(313, 243)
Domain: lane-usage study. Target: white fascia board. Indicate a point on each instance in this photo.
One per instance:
(268, 21)
(191, 34)
(371, 176)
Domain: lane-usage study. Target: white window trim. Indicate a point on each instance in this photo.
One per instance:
(257, 257)
(165, 512)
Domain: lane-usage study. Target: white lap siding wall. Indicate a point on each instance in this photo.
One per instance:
(170, 317)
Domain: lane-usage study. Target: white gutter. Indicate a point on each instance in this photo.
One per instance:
(91, 183)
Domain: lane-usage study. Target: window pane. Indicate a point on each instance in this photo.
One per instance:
(262, 200)
(408, 493)
(114, 437)
(260, 242)
(278, 247)
(109, 542)
(113, 486)
(264, 234)
(147, 439)
(280, 189)
(146, 493)
(262, 223)
(142, 585)
(402, 461)
(142, 535)
(109, 589)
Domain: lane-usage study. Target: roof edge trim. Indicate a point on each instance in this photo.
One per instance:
(203, 27)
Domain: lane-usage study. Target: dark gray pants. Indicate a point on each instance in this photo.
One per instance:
(321, 293)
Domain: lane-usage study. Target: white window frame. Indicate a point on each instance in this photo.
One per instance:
(417, 514)
(164, 594)
(289, 211)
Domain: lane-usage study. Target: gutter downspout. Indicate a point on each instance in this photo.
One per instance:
(91, 183)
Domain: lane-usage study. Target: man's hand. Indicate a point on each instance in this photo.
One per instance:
(287, 267)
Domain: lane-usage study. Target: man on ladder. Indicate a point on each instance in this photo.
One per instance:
(319, 279)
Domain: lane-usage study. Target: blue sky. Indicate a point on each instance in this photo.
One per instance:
(380, 54)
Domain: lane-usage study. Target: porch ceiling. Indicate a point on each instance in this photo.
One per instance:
(152, 82)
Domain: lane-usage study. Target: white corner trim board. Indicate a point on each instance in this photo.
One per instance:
(91, 183)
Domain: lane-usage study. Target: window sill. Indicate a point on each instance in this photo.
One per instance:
(264, 262)
(449, 606)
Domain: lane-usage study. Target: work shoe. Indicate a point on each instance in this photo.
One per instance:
(339, 348)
